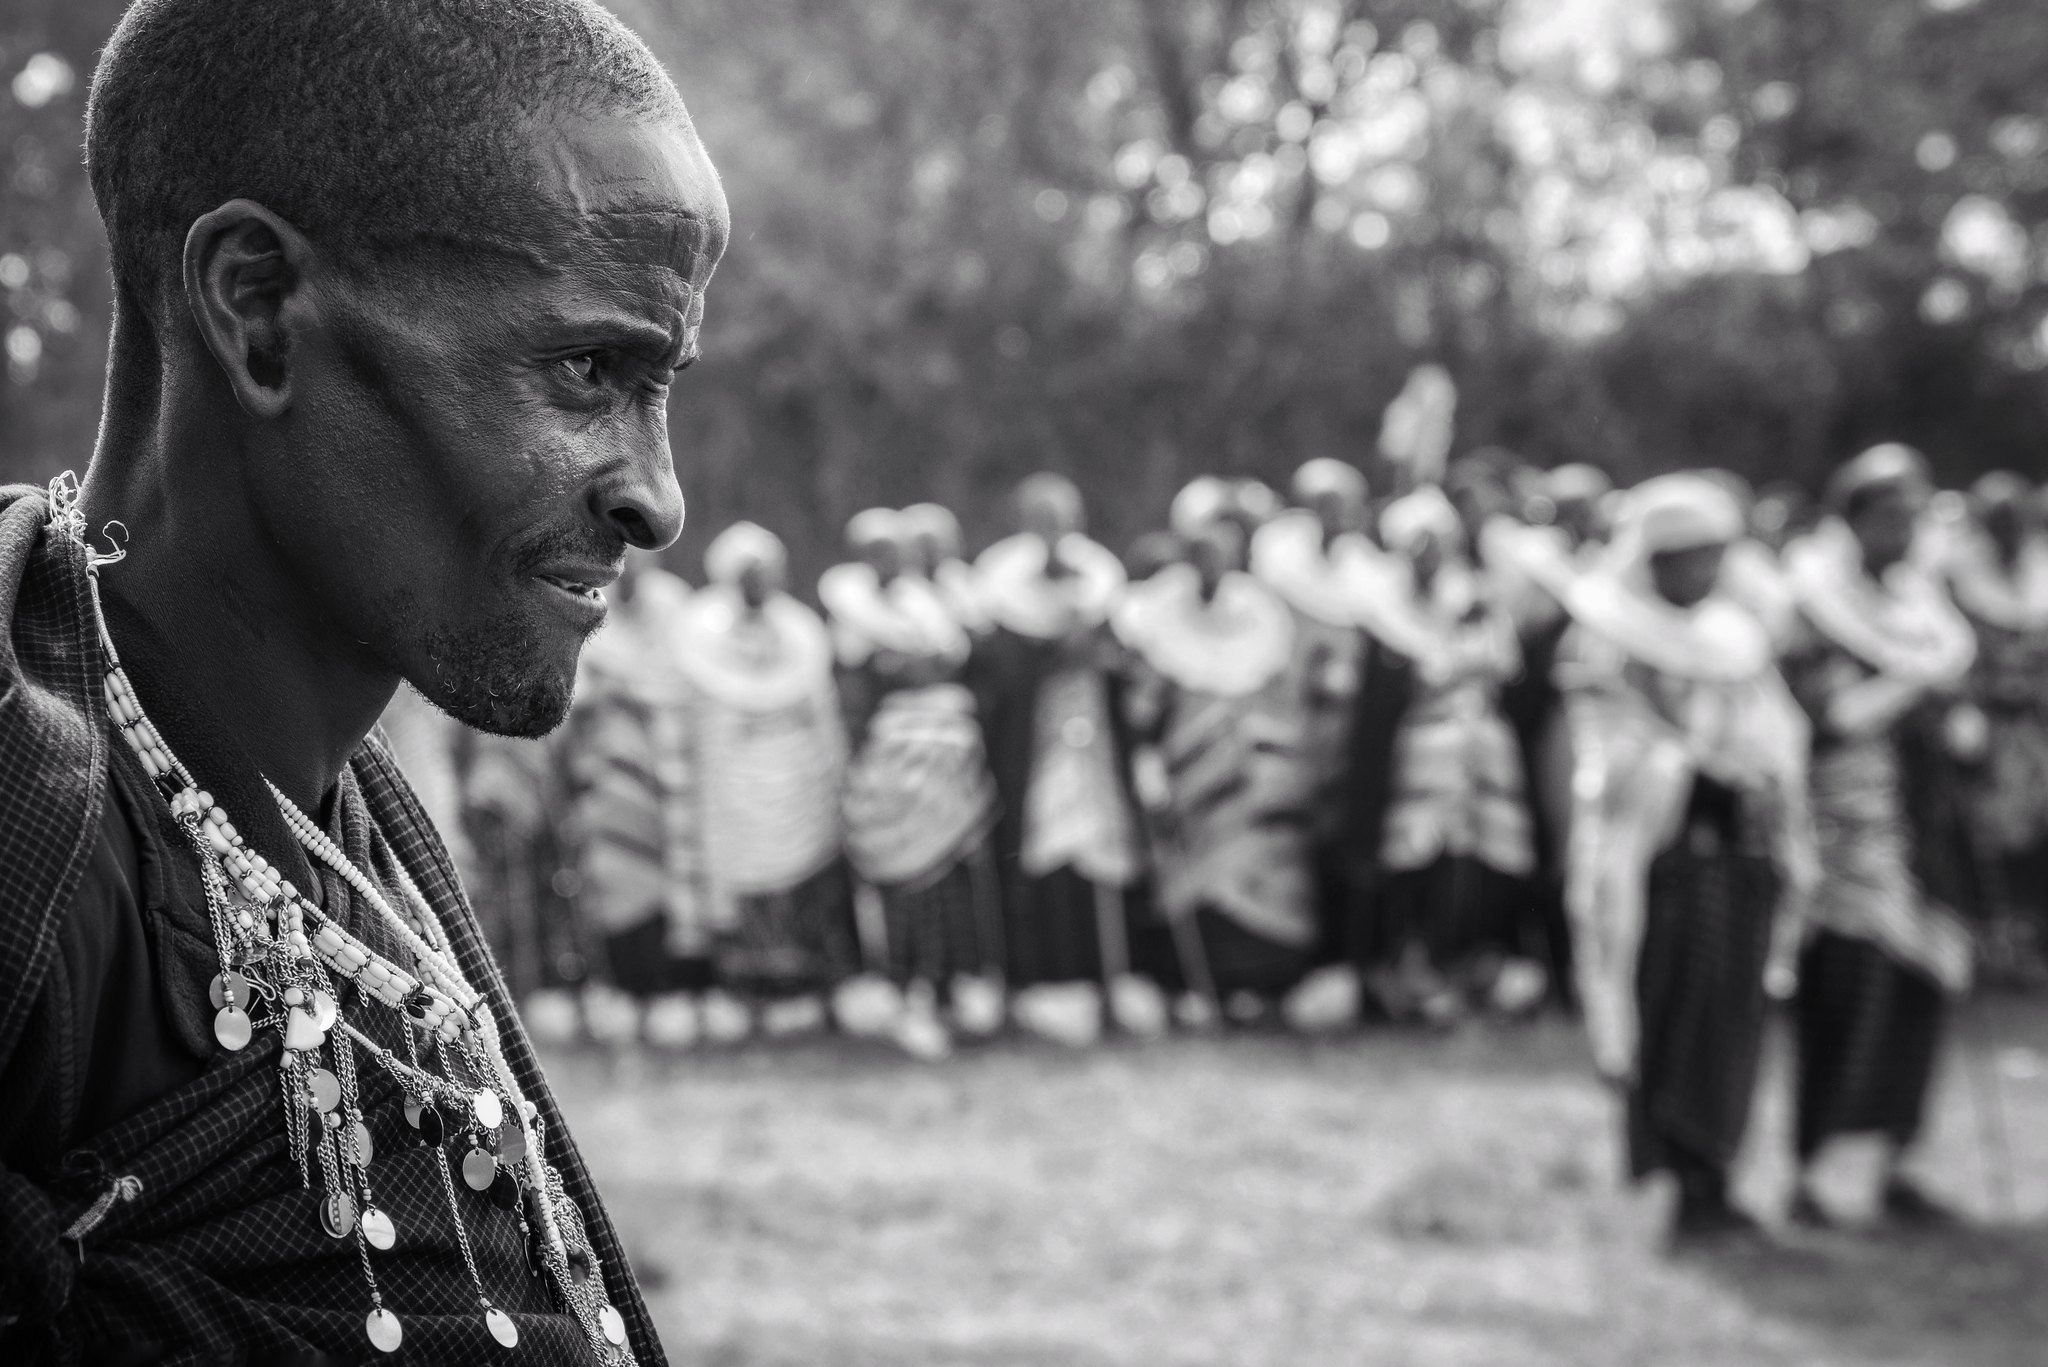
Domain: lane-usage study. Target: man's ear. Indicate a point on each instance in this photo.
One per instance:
(245, 282)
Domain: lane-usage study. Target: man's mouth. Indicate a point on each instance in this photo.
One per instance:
(580, 587)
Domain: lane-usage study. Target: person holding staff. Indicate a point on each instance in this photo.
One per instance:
(1220, 772)
(919, 804)
(1051, 707)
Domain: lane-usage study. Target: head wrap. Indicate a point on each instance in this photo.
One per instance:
(1255, 503)
(739, 546)
(1205, 499)
(1884, 468)
(1679, 513)
(1719, 640)
(1412, 516)
(1578, 483)
(2002, 489)
(935, 523)
(1054, 493)
(1739, 488)
(874, 527)
(1324, 475)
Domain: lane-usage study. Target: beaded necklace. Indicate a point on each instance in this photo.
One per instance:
(275, 944)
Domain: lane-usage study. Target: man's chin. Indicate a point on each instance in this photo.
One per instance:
(523, 708)
(500, 680)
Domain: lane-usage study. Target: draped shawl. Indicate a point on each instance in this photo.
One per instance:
(1657, 694)
(769, 742)
(1893, 838)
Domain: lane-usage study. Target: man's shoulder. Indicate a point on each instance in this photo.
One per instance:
(53, 739)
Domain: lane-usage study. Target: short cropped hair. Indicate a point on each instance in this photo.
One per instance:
(369, 125)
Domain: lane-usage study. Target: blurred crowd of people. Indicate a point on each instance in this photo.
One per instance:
(1505, 740)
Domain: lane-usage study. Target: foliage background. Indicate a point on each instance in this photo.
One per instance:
(1140, 239)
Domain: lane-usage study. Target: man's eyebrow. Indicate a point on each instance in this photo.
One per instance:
(643, 334)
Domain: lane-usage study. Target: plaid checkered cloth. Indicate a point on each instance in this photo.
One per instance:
(213, 1251)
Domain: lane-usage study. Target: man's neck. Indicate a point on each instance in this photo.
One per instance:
(246, 638)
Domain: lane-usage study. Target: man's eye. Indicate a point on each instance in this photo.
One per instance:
(583, 366)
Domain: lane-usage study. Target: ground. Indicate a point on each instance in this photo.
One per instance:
(1258, 1200)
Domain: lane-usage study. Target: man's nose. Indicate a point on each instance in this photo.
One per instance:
(645, 506)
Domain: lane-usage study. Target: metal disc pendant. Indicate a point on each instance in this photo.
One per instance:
(512, 1144)
(504, 1190)
(501, 1326)
(489, 1113)
(323, 1092)
(378, 1229)
(216, 991)
(231, 1028)
(479, 1169)
(325, 1012)
(430, 1124)
(338, 1214)
(364, 1147)
(385, 1331)
(614, 1326)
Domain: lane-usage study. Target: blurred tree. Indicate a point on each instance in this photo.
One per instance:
(53, 281)
(1137, 239)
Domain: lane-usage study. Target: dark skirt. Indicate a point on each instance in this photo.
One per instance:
(642, 966)
(1339, 896)
(1457, 908)
(1055, 930)
(799, 940)
(1701, 1001)
(946, 926)
(1235, 959)
(523, 887)
(1868, 1029)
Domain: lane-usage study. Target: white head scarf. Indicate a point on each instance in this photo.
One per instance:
(1202, 501)
(1425, 512)
(739, 546)
(1715, 641)
(1325, 475)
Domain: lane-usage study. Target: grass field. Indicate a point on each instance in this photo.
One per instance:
(1262, 1200)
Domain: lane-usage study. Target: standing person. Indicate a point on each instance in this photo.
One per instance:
(1997, 571)
(769, 751)
(1440, 791)
(1883, 649)
(1520, 543)
(1318, 559)
(1051, 708)
(1692, 829)
(935, 553)
(353, 443)
(633, 813)
(1220, 772)
(919, 803)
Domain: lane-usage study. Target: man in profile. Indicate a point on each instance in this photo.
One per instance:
(400, 289)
